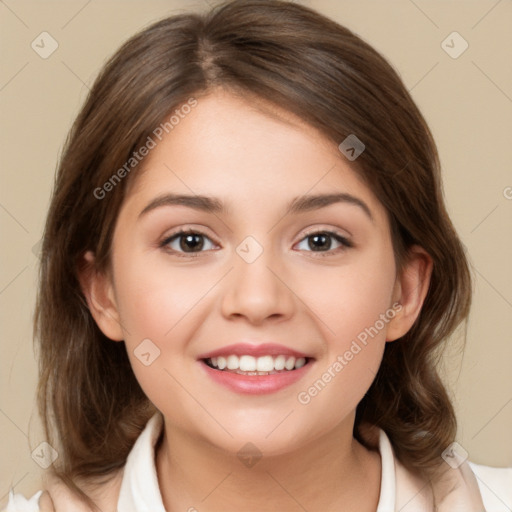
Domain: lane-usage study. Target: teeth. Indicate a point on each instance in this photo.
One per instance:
(263, 364)
(300, 362)
(279, 362)
(232, 362)
(290, 363)
(254, 365)
(246, 364)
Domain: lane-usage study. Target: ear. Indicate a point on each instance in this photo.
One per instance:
(98, 290)
(410, 290)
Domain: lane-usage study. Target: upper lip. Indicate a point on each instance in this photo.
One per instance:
(255, 350)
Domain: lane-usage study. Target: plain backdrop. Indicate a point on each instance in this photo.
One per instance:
(467, 102)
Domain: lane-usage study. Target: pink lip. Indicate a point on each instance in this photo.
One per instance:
(264, 349)
(255, 384)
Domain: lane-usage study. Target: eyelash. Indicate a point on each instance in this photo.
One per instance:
(346, 244)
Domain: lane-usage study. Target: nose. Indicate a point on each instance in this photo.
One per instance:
(257, 291)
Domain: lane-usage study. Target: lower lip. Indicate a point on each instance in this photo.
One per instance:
(256, 384)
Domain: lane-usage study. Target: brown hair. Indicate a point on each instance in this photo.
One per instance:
(311, 66)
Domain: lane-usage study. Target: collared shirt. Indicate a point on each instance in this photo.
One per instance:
(139, 490)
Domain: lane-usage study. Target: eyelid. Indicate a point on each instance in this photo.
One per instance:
(185, 230)
(311, 231)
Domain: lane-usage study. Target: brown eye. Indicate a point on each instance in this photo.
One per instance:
(188, 242)
(191, 242)
(319, 241)
(323, 241)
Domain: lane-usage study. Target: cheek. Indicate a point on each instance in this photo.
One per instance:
(153, 297)
(156, 306)
(354, 307)
(351, 300)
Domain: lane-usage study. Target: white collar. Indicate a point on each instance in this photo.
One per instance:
(140, 491)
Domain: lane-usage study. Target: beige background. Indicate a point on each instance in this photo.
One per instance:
(467, 102)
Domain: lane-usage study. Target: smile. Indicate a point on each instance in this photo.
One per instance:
(250, 365)
(251, 375)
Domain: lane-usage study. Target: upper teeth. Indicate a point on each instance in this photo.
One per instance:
(260, 364)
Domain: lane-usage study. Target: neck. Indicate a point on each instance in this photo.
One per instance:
(333, 472)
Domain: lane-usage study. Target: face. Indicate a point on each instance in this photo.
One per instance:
(263, 266)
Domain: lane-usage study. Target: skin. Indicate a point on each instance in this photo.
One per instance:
(255, 158)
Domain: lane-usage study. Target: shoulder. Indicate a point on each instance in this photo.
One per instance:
(495, 485)
(104, 494)
(462, 486)
(39, 502)
(469, 487)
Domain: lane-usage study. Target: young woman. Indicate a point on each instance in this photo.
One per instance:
(247, 274)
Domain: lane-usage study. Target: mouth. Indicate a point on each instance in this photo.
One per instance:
(256, 366)
(250, 375)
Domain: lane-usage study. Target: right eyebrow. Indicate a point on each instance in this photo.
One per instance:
(204, 203)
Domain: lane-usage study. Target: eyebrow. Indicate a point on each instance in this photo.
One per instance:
(299, 204)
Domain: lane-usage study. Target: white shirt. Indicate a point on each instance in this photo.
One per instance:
(139, 491)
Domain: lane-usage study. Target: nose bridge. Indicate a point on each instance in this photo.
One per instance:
(254, 290)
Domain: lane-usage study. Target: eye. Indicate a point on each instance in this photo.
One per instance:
(322, 241)
(190, 243)
(186, 242)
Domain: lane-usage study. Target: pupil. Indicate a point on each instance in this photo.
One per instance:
(322, 240)
(191, 241)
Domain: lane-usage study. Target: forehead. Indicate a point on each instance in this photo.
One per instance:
(245, 150)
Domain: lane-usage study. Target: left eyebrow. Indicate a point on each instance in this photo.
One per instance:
(297, 205)
(313, 202)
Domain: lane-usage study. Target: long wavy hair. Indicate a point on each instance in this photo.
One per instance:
(91, 404)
